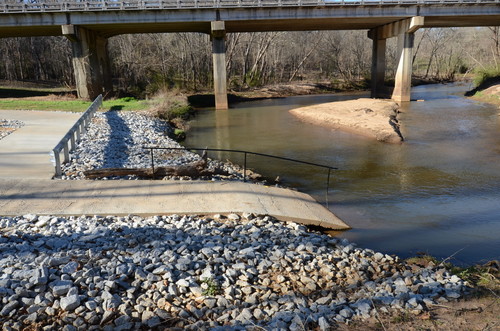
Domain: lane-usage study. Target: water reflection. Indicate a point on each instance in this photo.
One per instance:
(438, 192)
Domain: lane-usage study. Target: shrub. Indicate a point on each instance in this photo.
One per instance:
(485, 75)
(169, 105)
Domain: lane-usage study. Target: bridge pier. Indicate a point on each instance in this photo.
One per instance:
(378, 67)
(91, 64)
(405, 31)
(402, 81)
(218, 34)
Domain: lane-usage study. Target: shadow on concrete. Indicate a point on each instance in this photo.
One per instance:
(136, 191)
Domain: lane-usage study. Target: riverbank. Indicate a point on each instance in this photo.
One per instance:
(489, 93)
(368, 117)
(244, 271)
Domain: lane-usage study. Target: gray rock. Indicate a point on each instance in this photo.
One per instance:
(163, 314)
(56, 261)
(124, 319)
(245, 316)
(107, 317)
(153, 322)
(70, 267)
(8, 308)
(452, 294)
(61, 287)
(323, 324)
(31, 318)
(70, 303)
(233, 217)
(346, 312)
(323, 300)
(182, 283)
(42, 221)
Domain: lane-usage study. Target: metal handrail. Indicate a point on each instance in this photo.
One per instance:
(245, 153)
(69, 141)
(106, 5)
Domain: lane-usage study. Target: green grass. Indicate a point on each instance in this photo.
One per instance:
(486, 76)
(212, 289)
(127, 103)
(166, 105)
(70, 105)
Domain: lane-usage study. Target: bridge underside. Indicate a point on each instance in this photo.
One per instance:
(89, 30)
(262, 25)
(258, 20)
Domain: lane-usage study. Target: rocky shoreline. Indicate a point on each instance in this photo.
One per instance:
(242, 272)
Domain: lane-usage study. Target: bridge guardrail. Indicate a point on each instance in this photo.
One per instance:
(245, 153)
(70, 139)
(102, 5)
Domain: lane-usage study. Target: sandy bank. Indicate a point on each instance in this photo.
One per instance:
(367, 117)
(489, 95)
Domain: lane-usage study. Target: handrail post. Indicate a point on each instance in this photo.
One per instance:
(152, 162)
(327, 187)
(245, 169)
(57, 159)
(78, 133)
(66, 151)
(73, 143)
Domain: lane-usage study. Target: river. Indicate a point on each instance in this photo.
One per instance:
(437, 193)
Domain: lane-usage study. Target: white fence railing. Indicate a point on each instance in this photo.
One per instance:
(69, 141)
(106, 5)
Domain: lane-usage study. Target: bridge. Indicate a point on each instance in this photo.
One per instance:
(88, 25)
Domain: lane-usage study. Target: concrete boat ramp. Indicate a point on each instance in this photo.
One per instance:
(148, 197)
(26, 187)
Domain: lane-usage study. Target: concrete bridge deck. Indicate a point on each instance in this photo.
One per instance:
(111, 18)
(26, 187)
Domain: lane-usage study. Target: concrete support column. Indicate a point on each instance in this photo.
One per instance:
(402, 82)
(218, 33)
(404, 30)
(90, 62)
(378, 67)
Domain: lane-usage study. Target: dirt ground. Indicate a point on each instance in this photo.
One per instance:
(467, 314)
(479, 310)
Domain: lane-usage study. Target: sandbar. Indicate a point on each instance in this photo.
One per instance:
(374, 118)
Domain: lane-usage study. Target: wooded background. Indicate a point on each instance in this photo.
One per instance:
(145, 63)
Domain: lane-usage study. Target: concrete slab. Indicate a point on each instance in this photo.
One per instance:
(25, 152)
(148, 197)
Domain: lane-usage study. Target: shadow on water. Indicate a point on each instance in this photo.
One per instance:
(120, 136)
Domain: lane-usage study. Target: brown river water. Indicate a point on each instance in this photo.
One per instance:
(437, 193)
